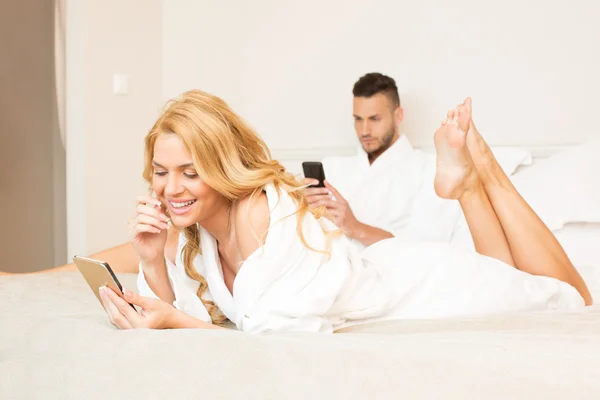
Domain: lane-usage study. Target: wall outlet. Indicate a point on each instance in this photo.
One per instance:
(120, 84)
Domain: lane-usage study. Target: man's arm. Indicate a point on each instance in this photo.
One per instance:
(122, 258)
(341, 214)
(366, 234)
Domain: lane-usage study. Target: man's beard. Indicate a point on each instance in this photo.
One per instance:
(384, 144)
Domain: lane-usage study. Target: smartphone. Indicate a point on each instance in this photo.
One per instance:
(98, 273)
(314, 170)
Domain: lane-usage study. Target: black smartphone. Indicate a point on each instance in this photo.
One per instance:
(314, 170)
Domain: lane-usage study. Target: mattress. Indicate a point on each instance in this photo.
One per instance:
(56, 342)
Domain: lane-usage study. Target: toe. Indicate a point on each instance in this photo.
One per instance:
(463, 119)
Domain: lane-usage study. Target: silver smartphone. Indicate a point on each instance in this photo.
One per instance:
(97, 274)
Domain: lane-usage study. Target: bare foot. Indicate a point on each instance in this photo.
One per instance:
(480, 151)
(455, 172)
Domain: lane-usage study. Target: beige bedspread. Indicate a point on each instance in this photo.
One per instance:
(56, 343)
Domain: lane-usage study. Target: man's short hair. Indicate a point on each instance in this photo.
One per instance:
(374, 83)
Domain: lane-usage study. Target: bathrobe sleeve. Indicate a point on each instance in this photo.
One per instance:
(184, 288)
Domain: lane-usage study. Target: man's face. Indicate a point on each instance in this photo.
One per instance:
(376, 123)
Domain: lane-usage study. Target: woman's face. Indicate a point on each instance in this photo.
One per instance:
(178, 186)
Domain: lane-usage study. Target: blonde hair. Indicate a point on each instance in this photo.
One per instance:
(229, 157)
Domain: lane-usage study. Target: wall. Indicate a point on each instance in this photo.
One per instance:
(105, 131)
(32, 167)
(289, 67)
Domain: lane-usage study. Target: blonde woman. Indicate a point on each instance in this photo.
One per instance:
(252, 251)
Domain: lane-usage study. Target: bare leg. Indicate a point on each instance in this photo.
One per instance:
(534, 248)
(457, 178)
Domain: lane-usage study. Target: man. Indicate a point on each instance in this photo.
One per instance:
(386, 190)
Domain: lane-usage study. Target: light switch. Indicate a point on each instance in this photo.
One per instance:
(120, 84)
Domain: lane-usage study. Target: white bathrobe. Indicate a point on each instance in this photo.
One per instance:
(395, 193)
(283, 286)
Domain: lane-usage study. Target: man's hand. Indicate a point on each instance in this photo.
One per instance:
(314, 194)
(338, 210)
(340, 213)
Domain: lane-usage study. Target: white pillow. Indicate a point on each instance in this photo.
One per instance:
(511, 158)
(581, 242)
(565, 187)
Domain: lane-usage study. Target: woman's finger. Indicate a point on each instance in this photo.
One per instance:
(106, 305)
(146, 303)
(114, 315)
(151, 211)
(148, 200)
(142, 228)
(123, 307)
(121, 322)
(152, 221)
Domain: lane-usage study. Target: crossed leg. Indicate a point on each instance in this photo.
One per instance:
(502, 224)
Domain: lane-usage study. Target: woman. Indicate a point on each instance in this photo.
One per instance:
(252, 251)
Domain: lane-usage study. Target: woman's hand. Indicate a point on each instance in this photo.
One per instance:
(148, 230)
(154, 313)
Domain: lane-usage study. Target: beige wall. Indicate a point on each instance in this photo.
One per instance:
(32, 174)
(120, 36)
(288, 67)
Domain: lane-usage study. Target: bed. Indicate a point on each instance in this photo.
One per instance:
(56, 342)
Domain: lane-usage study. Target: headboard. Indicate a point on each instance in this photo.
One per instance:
(292, 158)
